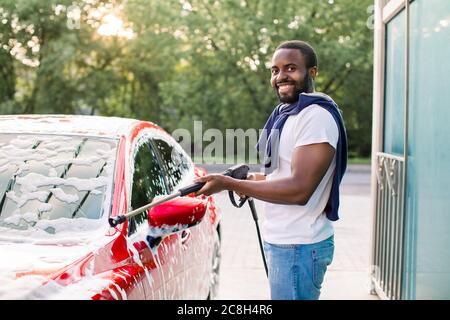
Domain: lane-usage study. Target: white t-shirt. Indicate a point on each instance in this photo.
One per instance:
(296, 224)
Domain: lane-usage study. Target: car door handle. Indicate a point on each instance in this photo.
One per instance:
(185, 236)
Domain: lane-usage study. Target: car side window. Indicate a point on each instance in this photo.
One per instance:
(148, 182)
(177, 164)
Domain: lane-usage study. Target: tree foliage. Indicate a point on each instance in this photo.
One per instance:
(181, 60)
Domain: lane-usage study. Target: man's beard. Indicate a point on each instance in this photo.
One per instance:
(306, 87)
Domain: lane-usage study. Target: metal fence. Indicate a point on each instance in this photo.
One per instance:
(389, 227)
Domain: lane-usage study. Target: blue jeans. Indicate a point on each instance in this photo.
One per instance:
(296, 271)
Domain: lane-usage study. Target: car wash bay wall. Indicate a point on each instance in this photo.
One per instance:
(411, 150)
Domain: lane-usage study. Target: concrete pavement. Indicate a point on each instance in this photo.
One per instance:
(242, 271)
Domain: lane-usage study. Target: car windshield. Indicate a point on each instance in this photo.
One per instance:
(48, 177)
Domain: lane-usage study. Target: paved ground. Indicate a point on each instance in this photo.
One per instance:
(242, 271)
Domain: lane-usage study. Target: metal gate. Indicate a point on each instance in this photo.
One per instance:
(389, 227)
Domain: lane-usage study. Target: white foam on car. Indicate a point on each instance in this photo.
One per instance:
(44, 246)
(61, 124)
(64, 197)
(36, 250)
(31, 182)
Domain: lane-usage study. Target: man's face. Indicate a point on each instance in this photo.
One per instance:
(290, 76)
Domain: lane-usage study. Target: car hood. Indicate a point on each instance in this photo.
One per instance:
(25, 267)
(28, 265)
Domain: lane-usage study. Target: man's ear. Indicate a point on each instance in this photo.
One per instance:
(313, 72)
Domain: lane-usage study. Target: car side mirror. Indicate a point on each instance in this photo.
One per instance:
(175, 215)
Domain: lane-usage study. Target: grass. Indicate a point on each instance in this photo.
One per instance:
(357, 160)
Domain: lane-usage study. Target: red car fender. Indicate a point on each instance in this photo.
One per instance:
(212, 208)
(119, 279)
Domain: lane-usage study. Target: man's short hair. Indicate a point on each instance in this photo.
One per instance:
(305, 48)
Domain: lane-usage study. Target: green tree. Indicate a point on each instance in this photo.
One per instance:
(181, 60)
(223, 76)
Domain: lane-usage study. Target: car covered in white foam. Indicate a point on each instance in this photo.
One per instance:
(61, 179)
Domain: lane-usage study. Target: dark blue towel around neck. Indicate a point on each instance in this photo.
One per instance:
(274, 127)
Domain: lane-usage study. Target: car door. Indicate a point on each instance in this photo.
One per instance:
(147, 182)
(193, 243)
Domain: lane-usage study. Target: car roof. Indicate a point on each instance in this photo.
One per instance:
(84, 125)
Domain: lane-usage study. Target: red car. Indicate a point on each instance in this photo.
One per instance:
(63, 177)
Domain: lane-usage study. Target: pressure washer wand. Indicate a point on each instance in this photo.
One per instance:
(113, 222)
(251, 204)
(238, 172)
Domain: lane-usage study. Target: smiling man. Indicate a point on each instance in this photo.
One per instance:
(305, 157)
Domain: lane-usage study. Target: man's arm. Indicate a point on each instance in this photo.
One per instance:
(308, 166)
